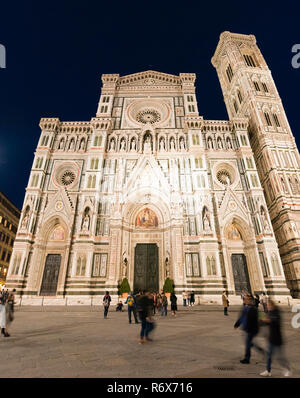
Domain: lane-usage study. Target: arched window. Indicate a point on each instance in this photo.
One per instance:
(211, 265)
(81, 266)
(94, 182)
(89, 182)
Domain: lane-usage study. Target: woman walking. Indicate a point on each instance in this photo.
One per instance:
(173, 300)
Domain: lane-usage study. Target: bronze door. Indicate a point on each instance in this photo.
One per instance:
(146, 267)
(50, 277)
(240, 273)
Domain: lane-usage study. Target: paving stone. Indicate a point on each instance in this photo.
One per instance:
(78, 342)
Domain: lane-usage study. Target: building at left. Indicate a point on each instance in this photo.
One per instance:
(9, 220)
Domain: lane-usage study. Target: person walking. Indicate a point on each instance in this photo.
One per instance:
(249, 321)
(173, 300)
(164, 305)
(263, 301)
(3, 314)
(225, 302)
(257, 301)
(145, 314)
(106, 303)
(159, 302)
(192, 299)
(275, 340)
(188, 298)
(184, 297)
(131, 305)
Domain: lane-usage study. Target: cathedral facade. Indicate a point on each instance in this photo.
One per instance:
(148, 190)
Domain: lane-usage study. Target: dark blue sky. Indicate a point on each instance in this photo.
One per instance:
(56, 53)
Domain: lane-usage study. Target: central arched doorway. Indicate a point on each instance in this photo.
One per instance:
(237, 249)
(146, 267)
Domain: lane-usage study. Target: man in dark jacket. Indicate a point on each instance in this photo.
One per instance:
(249, 321)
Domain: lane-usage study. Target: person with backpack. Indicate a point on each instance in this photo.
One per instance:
(106, 303)
(131, 305)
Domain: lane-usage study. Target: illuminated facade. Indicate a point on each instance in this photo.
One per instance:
(148, 189)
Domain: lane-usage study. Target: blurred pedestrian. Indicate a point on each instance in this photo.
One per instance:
(184, 297)
(275, 340)
(173, 300)
(256, 300)
(188, 298)
(263, 301)
(131, 306)
(145, 314)
(192, 298)
(225, 302)
(3, 313)
(249, 321)
(119, 307)
(159, 302)
(164, 306)
(106, 303)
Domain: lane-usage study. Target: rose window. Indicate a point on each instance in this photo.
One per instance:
(224, 177)
(148, 116)
(67, 178)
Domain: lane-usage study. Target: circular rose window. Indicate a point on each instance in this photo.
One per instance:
(66, 175)
(148, 116)
(224, 177)
(67, 178)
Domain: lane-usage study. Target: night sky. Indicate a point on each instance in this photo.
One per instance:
(56, 53)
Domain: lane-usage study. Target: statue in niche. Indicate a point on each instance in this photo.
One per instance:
(61, 144)
(25, 220)
(172, 144)
(167, 268)
(220, 146)
(133, 146)
(265, 222)
(124, 268)
(210, 143)
(122, 148)
(112, 145)
(81, 145)
(227, 180)
(162, 145)
(206, 221)
(72, 145)
(147, 144)
(182, 147)
(86, 223)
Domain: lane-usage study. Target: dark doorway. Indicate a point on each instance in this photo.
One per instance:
(50, 277)
(146, 267)
(240, 273)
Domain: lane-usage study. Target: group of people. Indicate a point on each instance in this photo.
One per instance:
(188, 298)
(7, 300)
(250, 322)
(144, 305)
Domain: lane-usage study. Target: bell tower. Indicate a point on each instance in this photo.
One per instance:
(250, 92)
